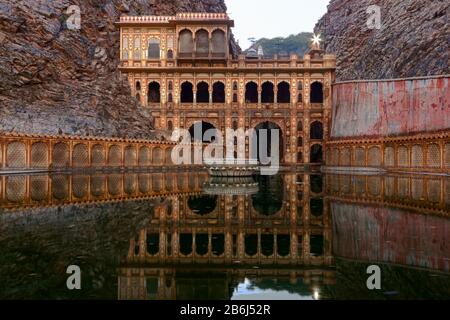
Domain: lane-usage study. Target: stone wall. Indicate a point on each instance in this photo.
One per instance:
(390, 108)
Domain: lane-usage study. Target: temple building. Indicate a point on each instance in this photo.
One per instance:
(185, 71)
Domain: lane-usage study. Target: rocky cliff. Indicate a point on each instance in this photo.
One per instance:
(57, 80)
(413, 39)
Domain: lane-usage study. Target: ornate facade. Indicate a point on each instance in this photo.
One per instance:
(184, 70)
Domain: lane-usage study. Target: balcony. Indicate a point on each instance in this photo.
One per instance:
(201, 56)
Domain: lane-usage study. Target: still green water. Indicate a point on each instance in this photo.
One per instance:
(186, 236)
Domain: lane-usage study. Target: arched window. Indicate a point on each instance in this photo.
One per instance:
(235, 98)
(170, 98)
(202, 43)
(284, 93)
(137, 48)
(300, 86)
(316, 131)
(154, 95)
(267, 95)
(251, 92)
(170, 54)
(316, 92)
(186, 43)
(300, 126)
(300, 98)
(170, 86)
(153, 49)
(138, 91)
(202, 92)
(218, 92)
(219, 43)
(235, 86)
(187, 93)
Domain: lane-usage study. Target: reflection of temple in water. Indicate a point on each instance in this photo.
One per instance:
(201, 246)
(189, 237)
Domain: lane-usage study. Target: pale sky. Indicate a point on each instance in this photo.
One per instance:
(273, 18)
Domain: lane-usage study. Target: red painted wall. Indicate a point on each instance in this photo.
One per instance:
(390, 108)
(377, 234)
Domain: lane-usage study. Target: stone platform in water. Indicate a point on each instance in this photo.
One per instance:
(232, 167)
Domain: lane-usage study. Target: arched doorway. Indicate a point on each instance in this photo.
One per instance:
(316, 132)
(269, 126)
(316, 154)
(202, 92)
(316, 92)
(154, 95)
(218, 92)
(267, 94)
(187, 92)
(284, 92)
(201, 127)
(251, 92)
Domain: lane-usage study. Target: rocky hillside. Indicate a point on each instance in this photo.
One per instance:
(55, 80)
(413, 39)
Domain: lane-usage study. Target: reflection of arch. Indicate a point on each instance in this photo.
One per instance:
(202, 43)
(218, 43)
(186, 42)
(316, 205)
(153, 243)
(186, 240)
(267, 244)
(284, 92)
(316, 183)
(283, 245)
(269, 126)
(269, 199)
(267, 95)
(187, 92)
(218, 244)
(154, 94)
(316, 245)
(316, 132)
(316, 154)
(251, 92)
(316, 92)
(202, 92)
(153, 49)
(203, 205)
(218, 92)
(201, 244)
(201, 128)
